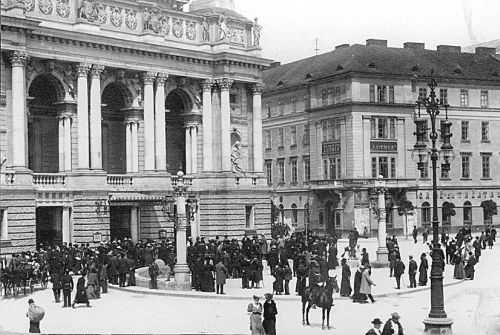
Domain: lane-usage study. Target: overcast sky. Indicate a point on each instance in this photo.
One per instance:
(290, 27)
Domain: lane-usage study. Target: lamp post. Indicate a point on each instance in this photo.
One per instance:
(437, 321)
(307, 212)
(378, 206)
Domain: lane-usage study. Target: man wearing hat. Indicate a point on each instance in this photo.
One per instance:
(377, 324)
(392, 326)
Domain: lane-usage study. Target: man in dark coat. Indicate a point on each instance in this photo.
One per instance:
(332, 256)
(399, 269)
(67, 287)
(56, 285)
(393, 326)
(221, 274)
(270, 312)
(345, 284)
(154, 271)
(424, 265)
(122, 271)
(412, 272)
(469, 267)
(477, 248)
(81, 291)
(415, 234)
(357, 296)
(272, 258)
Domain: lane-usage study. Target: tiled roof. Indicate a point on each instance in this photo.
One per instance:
(384, 61)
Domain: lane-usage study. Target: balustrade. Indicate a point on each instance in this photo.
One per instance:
(119, 180)
(45, 179)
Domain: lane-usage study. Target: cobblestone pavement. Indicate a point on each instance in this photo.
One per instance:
(472, 304)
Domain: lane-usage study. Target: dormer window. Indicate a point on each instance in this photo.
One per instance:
(280, 83)
(415, 68)
(372, 65)
(339, 67)
(308, 76)
(457, 71)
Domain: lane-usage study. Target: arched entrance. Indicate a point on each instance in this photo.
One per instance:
(113, 129)
(176, 103)
(332, 214)
(43, 132)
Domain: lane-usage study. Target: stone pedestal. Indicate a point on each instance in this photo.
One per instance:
(438, 326)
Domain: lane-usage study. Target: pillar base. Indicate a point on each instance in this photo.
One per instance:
(438, 326)
(182, 273)
(382, 255)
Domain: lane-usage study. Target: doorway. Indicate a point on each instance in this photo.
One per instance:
(49, 226)
(119, 221)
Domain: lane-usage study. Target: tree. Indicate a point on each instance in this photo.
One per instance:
(404, 206)
(275, 211)
(449, 209)
(489, 209)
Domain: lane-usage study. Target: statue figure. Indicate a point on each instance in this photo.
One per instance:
(223, 29)
(206, 33)
(236, 158)
(87, 10)
(256, 33)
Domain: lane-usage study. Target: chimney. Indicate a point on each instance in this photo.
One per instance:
(485, 51)
(449, 48)
(414, 45)
(274, 64)
(341, 46)
(377, 43)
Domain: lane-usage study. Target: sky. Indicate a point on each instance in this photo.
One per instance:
(291, 27)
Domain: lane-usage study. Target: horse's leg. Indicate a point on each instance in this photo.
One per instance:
(307, 313)
(303, 311)
(323, 317)
(328, 317)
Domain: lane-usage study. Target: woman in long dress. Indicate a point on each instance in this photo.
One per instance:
(424, 265)
(81, 292)
(208, 282)
(270, 312)
(93, 285)
(345, 284)
(458, 272)
(255, 309)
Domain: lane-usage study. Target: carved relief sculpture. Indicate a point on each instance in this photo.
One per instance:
(256, 33)
(177, 29)
(236, 158)
(191, 30)
(102, 15)
(206, 30)
(62, 8)
(164, 26)
(237, 35)
(116, 16)
(151, 20)
(224, 33)
(87, 11)
(29, 5)
(131, 19)
(46, 6)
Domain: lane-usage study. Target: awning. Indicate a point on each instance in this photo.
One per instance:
(133, 197)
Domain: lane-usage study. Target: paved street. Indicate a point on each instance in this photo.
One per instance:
(472, 304)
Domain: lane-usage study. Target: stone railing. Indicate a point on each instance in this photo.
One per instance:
(7, 178)
(119, 180)
(46, 179)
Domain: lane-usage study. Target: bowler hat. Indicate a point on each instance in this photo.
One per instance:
(377, 321)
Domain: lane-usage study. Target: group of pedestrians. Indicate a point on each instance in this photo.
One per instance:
(256, 310)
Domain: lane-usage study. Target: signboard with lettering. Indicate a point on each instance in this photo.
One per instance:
(331, 148)
(383, 146)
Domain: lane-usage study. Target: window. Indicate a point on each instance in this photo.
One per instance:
(325, 169)
(487, 216)
(281, 138)
(294, 213)
(269, 172)
(391, 94)
(424, 173)
(232, 98)
(485, 131)
(307, 169)
(374, 167)
(372, 93)
(294, 104)
(392, 128)
(485, 164)
(426, 214)
(422, 93)
(267, 135)
(281, 108)
(331, 97)
(467, 214)
(330, 130)
(465, 130)
(389, 223)
(464, 98)
(484, 99)
(382, 93)
(249, 217)
(393, 167)
(336, 130)
(307, 135)
(4, 226)
(383, 167)
(446, 216)
(443, 96)
(324, 125)
(465, 166)
(268, 111)
(335, 168)
(293, 137)
(337, 95)
(293, 169)
(324, 98)
(380, 167)
(445, 174)
(281, 171)
(382, 128)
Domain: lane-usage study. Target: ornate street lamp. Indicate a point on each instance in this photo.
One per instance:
(437, 322)
(307, 213)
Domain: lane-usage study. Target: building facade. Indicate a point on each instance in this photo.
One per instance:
(336, 122)
(102, 102)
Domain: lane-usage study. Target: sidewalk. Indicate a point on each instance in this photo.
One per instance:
(385, 285)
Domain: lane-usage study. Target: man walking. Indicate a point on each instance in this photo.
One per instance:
(67, 287)
(55, 278)
(399, 269)
(412, 272)
(221, 274)
(393, 326)
(154, 271)
(415, 234)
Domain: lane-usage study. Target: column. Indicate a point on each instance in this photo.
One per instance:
(207, 126)
(189, 159)
(134, 223)
(135, 146)
(160, 138)
(181, 269)
(66, 225)
(132, 153)
(19, 117)
(128, 145)
(225, 123)
(83, 116)
(61, 142)
(194, 148)
(257, 127)
(67, 142)
(149, 122)
(95, 118)
(382, 252)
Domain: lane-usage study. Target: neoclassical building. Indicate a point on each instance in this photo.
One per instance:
(103, 101)
(335, 122)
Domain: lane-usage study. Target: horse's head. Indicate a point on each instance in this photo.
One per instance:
(332, 284)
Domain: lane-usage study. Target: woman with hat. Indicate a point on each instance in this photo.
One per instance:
(377, 324)
(424, 265)
(255, 310)
(270, 312)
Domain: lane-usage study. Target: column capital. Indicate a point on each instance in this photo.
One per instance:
(225, 83)
(149, 77)
(207, 84)
(191, 124)
(161, 78)
(63, 115)
(82, 69)
(257, 88)
(18, 58)
(96, 70)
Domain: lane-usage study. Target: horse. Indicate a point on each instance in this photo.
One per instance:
(324, 299)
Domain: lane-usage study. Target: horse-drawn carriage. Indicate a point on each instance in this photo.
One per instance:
(18, 277)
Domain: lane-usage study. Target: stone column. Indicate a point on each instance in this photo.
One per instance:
(257, 127)
(128, 144)
(19, 117)
(382, 252)
(160, 139)
(83, 116)
(181, 268)
(61, 134)
(135, 146)
(95, 118)
(134, 223)
(194, 148)
(67, 143)
(207, 126)
(189, 159)
(66, 225)
(225, 123)
(149, 122)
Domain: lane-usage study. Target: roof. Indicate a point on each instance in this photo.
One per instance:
(384, 61)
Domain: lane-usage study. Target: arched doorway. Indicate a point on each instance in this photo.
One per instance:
(113, 129)
(176, 104)
(330, 217)
(43, 131)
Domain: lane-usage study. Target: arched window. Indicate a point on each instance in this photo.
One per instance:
(389, 220)
(489, 209)
(294, 213)
(446, 212)
(426, 214)
(467, 213)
